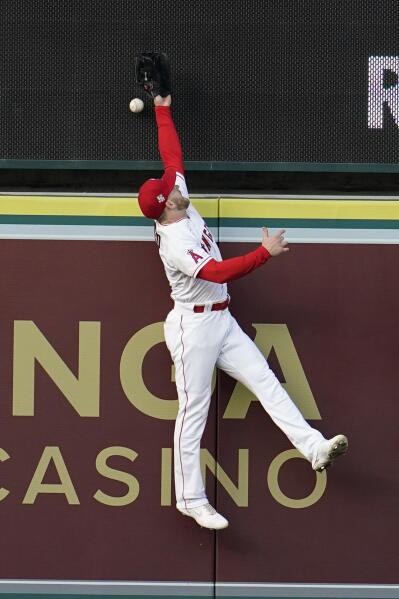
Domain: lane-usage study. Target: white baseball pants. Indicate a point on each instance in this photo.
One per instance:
(197, 342)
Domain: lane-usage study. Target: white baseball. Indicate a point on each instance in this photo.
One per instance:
(136, 105)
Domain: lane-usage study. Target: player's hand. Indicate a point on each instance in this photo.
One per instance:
(276, 244)
(160, 101)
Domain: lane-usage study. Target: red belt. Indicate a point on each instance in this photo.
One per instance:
(219, 306)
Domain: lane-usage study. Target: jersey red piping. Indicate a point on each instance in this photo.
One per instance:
(195, 273)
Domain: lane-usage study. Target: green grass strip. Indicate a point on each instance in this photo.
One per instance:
(44, 219)
(87, 596)
(309, 223)
(140, 221)
(99, 221)
(94, 596)
(133, 596)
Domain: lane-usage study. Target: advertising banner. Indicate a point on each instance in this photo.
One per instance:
(88, 407)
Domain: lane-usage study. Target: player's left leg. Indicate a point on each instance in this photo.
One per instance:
(241, 359)
(194, 341)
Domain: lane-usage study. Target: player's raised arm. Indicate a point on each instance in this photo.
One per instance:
(153, 75)
(168, 139)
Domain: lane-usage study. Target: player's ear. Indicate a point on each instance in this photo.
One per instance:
(170, 204)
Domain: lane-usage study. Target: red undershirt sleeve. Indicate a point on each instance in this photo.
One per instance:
(168, 140)
(233, 268)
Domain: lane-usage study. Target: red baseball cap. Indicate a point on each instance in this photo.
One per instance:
(153, 195)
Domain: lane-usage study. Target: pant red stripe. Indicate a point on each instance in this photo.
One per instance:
(185, 408)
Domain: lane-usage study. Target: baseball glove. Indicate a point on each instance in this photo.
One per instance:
(153, 73)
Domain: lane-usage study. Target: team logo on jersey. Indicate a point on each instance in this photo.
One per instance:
(194, 256)
(207, 232)
(206, 246)
(160, 198)
(206, 240)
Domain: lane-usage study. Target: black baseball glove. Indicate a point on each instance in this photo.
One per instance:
(153, 73)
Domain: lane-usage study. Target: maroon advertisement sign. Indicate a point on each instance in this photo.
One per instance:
(88, 401)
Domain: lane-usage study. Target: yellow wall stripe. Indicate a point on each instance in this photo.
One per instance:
(303, 208)
(87, 205)
(209, 207)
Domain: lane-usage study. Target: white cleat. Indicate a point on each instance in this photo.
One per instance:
(328, 451)
(206, 516)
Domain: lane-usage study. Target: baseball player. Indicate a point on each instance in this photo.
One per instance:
(200, 332)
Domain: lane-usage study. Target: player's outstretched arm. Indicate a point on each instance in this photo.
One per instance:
(168, 140)
(235, 268)
(275, 244)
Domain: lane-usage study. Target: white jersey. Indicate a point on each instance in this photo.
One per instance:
(185, 246)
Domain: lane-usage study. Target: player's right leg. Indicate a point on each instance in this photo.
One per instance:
(242, 360)
(194, 342)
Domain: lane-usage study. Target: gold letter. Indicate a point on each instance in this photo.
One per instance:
(65, 486)
(272, 481)
(130, 481)
(277, 336)
(131, 374)
(82, 392)
(3, 457)
(238, 494)
(166, 476)
(132, 378)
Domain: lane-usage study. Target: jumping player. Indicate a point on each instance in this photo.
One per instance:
(200, 332)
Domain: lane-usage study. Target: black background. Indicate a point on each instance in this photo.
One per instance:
(255, 80)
